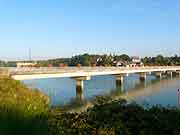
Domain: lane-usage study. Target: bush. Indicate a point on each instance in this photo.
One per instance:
(117, 118)
(22, 110)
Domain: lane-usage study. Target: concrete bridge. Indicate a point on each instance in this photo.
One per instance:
(84, 73)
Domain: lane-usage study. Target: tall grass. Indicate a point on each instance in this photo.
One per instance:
(22, 110)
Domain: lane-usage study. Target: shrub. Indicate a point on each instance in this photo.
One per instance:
(22, 110)
(117, 118)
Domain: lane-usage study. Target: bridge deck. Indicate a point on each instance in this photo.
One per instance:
(39, 73)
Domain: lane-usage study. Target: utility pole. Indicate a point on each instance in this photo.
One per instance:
(30, 54)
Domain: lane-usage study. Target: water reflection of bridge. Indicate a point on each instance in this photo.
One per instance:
(141, 89)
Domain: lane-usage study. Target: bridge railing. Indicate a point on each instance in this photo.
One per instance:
(82, 69)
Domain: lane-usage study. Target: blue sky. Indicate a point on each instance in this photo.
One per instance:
(62, 28)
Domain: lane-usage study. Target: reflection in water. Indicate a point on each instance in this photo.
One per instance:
(162, 92)
(152, 91)
(144, 89)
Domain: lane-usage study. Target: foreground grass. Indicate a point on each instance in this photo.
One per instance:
(22, 111)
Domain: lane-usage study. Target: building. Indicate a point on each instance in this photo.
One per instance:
(26, 64)
(118, 63)
(136, 62)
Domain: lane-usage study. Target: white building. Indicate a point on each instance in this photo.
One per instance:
(136, 62)
(26, 64)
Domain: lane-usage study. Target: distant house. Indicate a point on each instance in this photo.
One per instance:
(99, 59)
(136, 62)
(26, 64)
(136, 59)
(118, 63)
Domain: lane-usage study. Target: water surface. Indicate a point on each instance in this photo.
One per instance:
(153, 91)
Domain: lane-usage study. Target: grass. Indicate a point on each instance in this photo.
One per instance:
(22, 110)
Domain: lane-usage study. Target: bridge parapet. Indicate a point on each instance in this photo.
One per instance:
(46, 69)
(31, 73)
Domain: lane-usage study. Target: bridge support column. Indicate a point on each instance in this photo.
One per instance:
(143, 76)
(178, 73)
(170, 73)
(119, 79)
(80, 85)
(79, 92)
(159, 75)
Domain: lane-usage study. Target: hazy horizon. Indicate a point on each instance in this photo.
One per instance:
(55, 29)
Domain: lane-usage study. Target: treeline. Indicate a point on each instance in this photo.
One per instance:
(102, 60)
(160, 60)
(110, 60)
(88, 60)
(84, 60)
(8, 63)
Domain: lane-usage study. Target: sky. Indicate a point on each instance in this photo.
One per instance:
(63, 28)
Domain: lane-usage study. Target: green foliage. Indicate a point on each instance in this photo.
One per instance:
(102, 60)
(107, 60)
(22, 110)
(117, 118)
(2, 63)
(160, 60)
(85, 60)
(123, 57)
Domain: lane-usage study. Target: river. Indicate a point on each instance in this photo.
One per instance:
(153, 91)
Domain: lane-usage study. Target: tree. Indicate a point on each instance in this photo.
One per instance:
(107, 60)
(125, 57)
(86, 60)
(146, 61)
(160, 60)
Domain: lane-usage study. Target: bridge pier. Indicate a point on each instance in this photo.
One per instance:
(159, 74)
(143, 76)
(119, 79)
(170, 73)
(79, 94)
(178, 73)
(80, 85)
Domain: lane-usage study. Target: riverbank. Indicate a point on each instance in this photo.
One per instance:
(109, 117)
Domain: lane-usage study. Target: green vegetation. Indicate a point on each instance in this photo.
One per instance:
(117, 118)
(103, 60)
(160, 60)
(88, 60)
(22, 110)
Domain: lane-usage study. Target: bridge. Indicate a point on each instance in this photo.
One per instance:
(84, 73)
